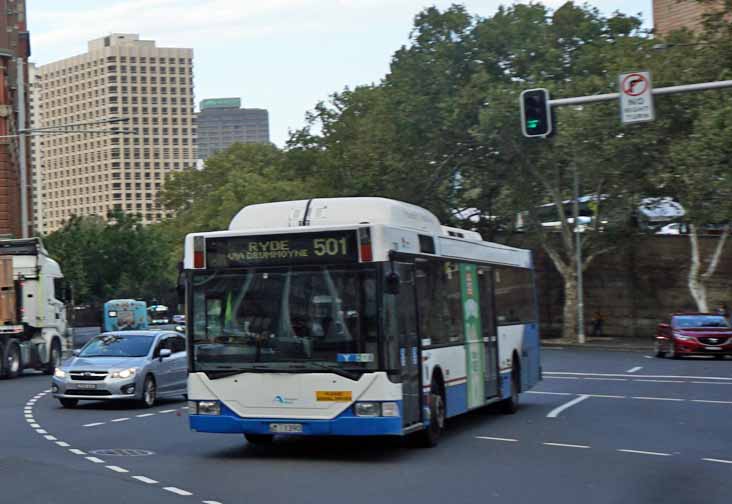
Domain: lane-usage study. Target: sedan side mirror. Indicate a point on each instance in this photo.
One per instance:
(165, 352)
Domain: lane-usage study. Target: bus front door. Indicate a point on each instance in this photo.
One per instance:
(401, 328)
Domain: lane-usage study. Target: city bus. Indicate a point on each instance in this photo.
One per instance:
(125, 314)
(353, 317)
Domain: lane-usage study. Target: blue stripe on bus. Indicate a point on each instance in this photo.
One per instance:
(345, 424)
(457, 399)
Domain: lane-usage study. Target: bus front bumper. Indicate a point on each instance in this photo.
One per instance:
(346, 424)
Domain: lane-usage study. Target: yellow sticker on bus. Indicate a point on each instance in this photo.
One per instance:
(333, 395)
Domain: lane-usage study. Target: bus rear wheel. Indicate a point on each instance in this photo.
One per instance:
(510, 406)
(259, 439)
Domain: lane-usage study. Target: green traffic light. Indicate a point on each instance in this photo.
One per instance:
(532, 123)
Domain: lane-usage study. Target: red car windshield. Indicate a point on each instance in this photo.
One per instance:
(700, 321)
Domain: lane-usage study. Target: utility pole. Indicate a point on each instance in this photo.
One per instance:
(578, 259)
(22, 154)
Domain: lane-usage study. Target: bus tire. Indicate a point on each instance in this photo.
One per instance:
(12, 364)
(259, 439)
(54, 357)
(431, 435)
(510, 406)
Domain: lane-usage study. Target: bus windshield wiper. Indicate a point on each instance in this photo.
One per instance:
(333, 369)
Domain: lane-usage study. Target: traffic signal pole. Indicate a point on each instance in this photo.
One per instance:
(536, 122)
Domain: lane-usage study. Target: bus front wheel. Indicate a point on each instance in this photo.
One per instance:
(431, 435)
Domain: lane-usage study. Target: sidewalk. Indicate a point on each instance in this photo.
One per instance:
(602, 343)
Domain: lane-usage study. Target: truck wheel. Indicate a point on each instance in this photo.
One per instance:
(54, 357)
(11, 360)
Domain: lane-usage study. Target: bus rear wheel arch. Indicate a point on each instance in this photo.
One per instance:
(430, 436)
(511, 404)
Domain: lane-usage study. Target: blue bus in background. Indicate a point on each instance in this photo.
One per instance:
(125, 314)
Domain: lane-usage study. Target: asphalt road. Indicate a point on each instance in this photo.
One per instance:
(603, 427)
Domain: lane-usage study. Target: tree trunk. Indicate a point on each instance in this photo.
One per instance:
(569, 317)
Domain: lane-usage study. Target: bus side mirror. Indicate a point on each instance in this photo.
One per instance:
(392, 283)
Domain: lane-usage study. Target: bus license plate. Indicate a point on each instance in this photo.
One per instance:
(285, 428)
(714, 348)
(87, 385)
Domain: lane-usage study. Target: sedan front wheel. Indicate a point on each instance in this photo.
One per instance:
(149, 392)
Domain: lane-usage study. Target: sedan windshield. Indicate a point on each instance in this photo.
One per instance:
(118, 345)
(316, 318)
(700, 321)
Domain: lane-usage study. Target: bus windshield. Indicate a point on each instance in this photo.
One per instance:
(285, 319)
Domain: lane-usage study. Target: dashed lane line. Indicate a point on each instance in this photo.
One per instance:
(606, 379)
(144, 415)
(564, 445)
(548, 393)
(640, 452)
(28, 408)
(658, 398)
(177, 491)
(719, 461)
(712, 383)
(640, 398)
(508, 440)
(141, 415)
(710, 402)
(617, 375)
(556, 411)
(634, 369)
(660, 381)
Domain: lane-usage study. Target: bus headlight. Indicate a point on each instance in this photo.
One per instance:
(209, 408)
(390, 409)
(371, 409)
(193, 407)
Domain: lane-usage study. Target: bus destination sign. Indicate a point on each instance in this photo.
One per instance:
(325, 247)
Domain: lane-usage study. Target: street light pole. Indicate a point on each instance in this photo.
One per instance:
(23, 161)
(578, 259)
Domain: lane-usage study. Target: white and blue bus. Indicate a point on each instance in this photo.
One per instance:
(353, 317)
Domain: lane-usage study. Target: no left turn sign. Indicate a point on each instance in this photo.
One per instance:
(636, 97)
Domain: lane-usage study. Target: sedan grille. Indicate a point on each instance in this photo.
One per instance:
(88, 375)
(712, 340)
(85, 392)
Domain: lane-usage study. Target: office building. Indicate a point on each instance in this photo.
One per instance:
(14, 52)
(94, 172)
(670, 15)
(222, 122)
(36, 157)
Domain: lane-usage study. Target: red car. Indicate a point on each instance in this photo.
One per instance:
(694, 334)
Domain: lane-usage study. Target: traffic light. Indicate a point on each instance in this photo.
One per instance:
(536, 115)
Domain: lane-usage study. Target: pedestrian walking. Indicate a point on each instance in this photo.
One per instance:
(597, 322)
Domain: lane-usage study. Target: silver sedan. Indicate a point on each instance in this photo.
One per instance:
(138, 365)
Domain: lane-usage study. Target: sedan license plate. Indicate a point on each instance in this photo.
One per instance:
(285, 428)
(714, 348)
(86, 385)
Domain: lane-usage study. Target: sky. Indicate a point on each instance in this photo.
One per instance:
(281, 55)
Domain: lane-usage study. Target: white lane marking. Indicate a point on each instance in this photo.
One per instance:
(710, 402)
(556, 411)
(50, 437)
(63, 444)
(117, 469)
(145, 479)
(648, 356)
(548, 393)
(167, 411)
(145, 415)
(35, 426)
(211, 502)
(76, 451)
(566, 445)
(636, 376)
(124, 419)
(93, 424)
(186, 407)
(41, 431)
(561, 377)
(607, 396)
(606, 379)
(661, 381)
(508, 440)
(721, 461)
(658, 454)
(634, 369)
(659, 399)
(95, 460)
(711, 383)
(177, 491)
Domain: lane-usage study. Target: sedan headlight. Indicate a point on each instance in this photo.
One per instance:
(209, 408)
(59, 373)
(123, 373)
(682, 337)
